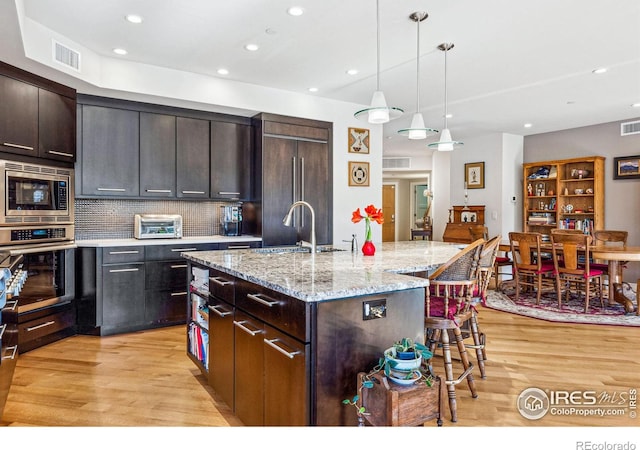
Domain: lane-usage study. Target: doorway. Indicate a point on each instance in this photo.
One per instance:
(389, 212)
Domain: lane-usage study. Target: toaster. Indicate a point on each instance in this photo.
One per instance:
(158, 226)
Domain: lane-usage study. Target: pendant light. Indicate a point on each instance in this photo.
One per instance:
(445, 143)
(378, 112)
(417, 130)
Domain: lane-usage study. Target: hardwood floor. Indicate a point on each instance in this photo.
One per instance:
(145, 379)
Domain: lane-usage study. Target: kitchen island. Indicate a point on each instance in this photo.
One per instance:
(289, 331)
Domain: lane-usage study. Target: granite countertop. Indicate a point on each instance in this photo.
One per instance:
(184, 240)
(332, 275)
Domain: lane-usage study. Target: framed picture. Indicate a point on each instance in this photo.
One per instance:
(358, 140)
(474, 175)
(358, 173)
(626, 167)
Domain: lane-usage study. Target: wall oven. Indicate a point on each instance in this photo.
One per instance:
(34, 193)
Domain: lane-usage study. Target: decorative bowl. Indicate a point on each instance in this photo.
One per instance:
(579, 173)
(401, 364)
(578, 191)
(405, 379)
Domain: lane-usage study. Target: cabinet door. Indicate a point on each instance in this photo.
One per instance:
(315, 188)
(278, 192)
(57, 126)
(286, 376)
(123, 295)
(165, 307)
(192, 153)
(249, 389)
(157, 155)
(110, 152)
(18, 117)
(221, 345)
(230, 160)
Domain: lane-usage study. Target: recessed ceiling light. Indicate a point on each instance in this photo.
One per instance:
(133, 18)
(271, 31)
(635, 105)
(352, 72)
(251, 47)
(313, 89)
(599, 70)
(119, 51)
(528, 125)
(223, 72)
(295, 11)
(449, 116)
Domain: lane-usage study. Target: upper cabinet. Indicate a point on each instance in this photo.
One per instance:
(37, 116)
(566, 194)
(230, 160)
(130, 149)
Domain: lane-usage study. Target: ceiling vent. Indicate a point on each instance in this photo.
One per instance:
(627, 128)
(396, 163)
(66, 56)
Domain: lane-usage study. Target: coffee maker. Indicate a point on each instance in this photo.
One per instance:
(231, 220)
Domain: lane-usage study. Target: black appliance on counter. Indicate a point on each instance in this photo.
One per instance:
(231, 220)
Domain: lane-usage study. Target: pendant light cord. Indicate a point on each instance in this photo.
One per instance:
(418, 69)
(377, 45)
(446, 49)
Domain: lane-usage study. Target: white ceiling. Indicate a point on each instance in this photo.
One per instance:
(514, 61)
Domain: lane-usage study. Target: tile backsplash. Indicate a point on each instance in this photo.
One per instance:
(113, 219)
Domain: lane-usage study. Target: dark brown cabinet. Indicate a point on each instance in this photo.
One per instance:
(295, 160)
(249, 389)
(230, 161)
(18, 117)
(192, 165)
(110, 162)
(37, 116)
(56, 126)
(157, 155)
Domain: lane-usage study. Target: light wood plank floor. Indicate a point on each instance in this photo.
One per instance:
(145, 379)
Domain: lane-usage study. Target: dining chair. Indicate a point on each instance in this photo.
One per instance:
(486, 266)
(609, 237)
(530, 269)
(572, 266)
(482, 232)
(478, 232)
(448, 304)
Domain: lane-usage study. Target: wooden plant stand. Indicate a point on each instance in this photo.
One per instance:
(390, 404)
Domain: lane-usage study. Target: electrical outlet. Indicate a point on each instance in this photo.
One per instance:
(374, 309)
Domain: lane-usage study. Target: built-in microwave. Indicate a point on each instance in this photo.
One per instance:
(33, 193)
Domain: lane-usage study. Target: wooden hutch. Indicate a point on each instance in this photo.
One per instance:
(460, 219)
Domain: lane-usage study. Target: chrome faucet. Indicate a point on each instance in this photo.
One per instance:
(287, 222)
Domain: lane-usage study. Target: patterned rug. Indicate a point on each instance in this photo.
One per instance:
(571, 312)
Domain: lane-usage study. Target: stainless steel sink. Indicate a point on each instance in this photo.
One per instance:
(281, 250)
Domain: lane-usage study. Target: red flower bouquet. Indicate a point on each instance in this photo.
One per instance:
(372, 213)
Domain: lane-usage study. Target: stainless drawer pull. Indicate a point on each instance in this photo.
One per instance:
(159, 191)
(179, 266)
(256, 297)
(122, 270)
(272, 343)
(238, 247)
(193, 192)
(177, 294)
(53, 152)
(23, 147)
(228, 193)
(222, 313)
(4, 327)
(42, 325)
(125, 252)
(220, 281)
(13, 353)
(184, 249)
(112, 189)
(243, 328)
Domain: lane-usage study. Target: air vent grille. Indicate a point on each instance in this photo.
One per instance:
(396, 163)
(627, 128)
(66, 56)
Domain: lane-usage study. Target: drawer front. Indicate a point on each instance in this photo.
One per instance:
(35, 329)
(239, 245)
(116, 255)
(222, 286)
(278, 310)
(169, 252)
(166, 275)
(165, 307)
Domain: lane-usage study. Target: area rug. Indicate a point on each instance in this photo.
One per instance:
(571, 311)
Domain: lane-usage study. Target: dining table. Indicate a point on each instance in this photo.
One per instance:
(616, 255)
